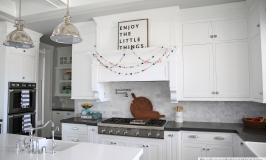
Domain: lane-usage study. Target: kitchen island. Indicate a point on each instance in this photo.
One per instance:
(78, 151)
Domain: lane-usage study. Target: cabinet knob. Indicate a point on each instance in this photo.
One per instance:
(211, 36)
(241, 143)
(24, 51)
(261, 93)
(147, 146)
(217, 92)
(208, 149)
(203, 149)
(258, 25)
(215, 36)
(143, 145)
(23, 77)
(213, 92)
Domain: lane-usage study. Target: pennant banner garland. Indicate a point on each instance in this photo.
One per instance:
(162, 51)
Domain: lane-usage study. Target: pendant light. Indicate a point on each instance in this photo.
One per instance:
(19, 38)
(66, 32)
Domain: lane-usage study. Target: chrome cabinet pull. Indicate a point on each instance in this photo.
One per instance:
(92, 129)
(11, 90)
(193, 136)
(75, 128)
(75, 140)
(171, 135)
(219, 138)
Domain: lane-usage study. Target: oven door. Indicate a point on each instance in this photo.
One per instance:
(15, 101)
(14, 123)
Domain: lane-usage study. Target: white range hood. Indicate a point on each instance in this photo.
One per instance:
(164, 71)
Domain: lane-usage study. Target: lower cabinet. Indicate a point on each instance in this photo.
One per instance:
(74, 132)
(152, 150)
(75, 137)
(172, 148)
(58, 116)
(92, 134)
(114, 141)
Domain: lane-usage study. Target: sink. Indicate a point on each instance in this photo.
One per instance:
(62, 145)
(257, 148)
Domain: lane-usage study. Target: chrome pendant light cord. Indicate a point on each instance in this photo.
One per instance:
(19, 10)
(67, 7)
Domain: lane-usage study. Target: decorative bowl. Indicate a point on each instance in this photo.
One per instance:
(251, 124)
(86, 106)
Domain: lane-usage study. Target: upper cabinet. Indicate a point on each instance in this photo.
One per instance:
(233, 29)
(197, 32)
(254, 20)
(82, 62)
(214, 64)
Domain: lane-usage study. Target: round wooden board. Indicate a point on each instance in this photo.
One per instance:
(140, 104)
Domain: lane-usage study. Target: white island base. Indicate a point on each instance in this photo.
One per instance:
(81, 151)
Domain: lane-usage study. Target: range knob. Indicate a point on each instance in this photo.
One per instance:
(117, 132)
(103, 131)
(125, 133)
(137, 134)
(110, 131)
(149, 134)
(157, 135)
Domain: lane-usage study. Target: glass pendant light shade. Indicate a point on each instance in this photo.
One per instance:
(18, 38)
(66, 32)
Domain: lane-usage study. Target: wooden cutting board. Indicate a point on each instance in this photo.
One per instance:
(141, 107)
(140, 114)
(140, 103)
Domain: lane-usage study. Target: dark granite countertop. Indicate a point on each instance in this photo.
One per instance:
(63, 109)
(245, 133)
(75, 120)
(1, 120)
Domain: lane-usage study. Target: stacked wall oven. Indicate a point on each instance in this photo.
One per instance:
(21, 106)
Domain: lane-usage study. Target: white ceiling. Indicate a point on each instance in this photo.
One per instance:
(43, 17)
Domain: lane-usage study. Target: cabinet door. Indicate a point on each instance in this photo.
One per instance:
(219, 151)
(197, 32)
(171, 145)
(151, 150)
(81, 76)
(232, 70)
(254, 23)
(140, 144)
(198, 71)
(28, 69)
(256, 68)
(92, 134)
(88, 43)
(235, 29)
(74, 137)
(114, 141)
(15, 67)
(192, 151)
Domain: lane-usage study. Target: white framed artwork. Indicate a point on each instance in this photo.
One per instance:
(133, 34)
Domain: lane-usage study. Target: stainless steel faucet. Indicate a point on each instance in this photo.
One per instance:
(31, 145)
(54, 146)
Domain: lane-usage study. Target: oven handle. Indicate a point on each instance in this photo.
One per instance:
(12, 90)
(20, 115)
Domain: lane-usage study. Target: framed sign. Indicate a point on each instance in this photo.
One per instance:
(133, 34)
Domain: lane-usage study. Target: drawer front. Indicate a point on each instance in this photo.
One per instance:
(75, 128)
(58, 113)
(68, 114)
(75, 137)
(207, 137)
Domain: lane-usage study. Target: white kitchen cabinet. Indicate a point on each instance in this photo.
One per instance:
(232, 29)
(82, 76)
(197, 32)
(254, 23)
(21, 68)
(198, 71)
(152, 150)
(172, 150)
(92, 134)
(192, 151)
(232, 70)
(114, 141)
(64, 56)
(28, 52)
(257, 89)
(58, 116)
(88, 43)
(75, 137)
(219, 151)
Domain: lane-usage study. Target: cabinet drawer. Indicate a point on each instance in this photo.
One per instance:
(58, 114)
(75, 137)
(75, 128)
(207, 137)
(68, 114)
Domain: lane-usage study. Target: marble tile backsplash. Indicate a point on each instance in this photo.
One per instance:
(159, 94)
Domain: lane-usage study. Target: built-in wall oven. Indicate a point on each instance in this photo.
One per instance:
(16, 110)
(14, 125)
(14, 98)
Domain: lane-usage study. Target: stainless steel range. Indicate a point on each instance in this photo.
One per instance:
(148, 128)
